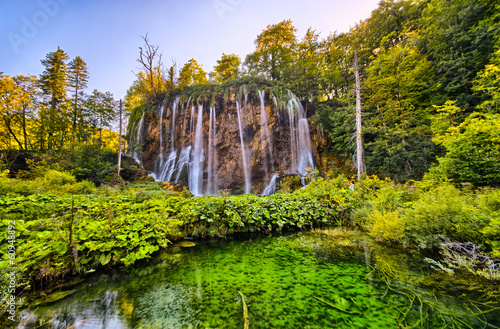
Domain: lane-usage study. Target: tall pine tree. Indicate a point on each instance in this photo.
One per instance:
(54, 84)
(77, 79)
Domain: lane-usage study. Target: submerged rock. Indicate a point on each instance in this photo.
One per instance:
(52, 298)
(185, 244)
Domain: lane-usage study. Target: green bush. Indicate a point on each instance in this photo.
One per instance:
(473, 152)
(9, 186)
(54, 178)
(489, 204)
(446, 211)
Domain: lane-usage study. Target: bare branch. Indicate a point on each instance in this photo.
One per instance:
(147, 57)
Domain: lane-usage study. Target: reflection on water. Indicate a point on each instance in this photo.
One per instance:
(329, 279)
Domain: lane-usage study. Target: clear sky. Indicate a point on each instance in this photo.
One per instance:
(106, 34)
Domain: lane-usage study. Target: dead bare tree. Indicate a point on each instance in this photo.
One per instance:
(150, 58)
(359, 142)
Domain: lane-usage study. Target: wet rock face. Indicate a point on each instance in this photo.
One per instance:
(237, 144)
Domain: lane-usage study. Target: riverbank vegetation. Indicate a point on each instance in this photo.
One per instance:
(431, 132)
(64, 227)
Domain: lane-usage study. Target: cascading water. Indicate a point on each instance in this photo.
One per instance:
(138, 139)
(159, 160)
(300, 141)
(212, 187)
(239, 145)
(265, 138)
(165, 169)
(246, 170)
(195, 172)
(184, 157)
(271, 187)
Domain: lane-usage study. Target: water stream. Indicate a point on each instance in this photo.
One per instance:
(244, 156)
(332, 279)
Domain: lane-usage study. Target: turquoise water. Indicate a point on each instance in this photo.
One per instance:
(329, 279)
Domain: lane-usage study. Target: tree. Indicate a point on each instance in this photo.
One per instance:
(473, 151)
(77, 79)
(17, 108)
(28, 94)
(359, 143)
(9, 107)
(338, 74)
(307, 70)
(192, 74)
(120, 116)
(150, 58)
(488, 83)
(397, 134)
(54, 84)
(227, 68)
(100, 111)
(457, 46)
(274, 50)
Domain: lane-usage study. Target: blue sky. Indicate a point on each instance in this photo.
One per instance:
(107, 33)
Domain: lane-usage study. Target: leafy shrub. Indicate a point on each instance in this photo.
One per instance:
(214, 216)
(473, 151)
(83, 187)
(386, 225)
(9, 186)
(443, 211)
(489, 204)
(54, 178)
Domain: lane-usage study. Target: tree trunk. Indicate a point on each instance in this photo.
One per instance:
(75, 113)
(25, 134)
(7, 124)
(120, 140)
(359, 142)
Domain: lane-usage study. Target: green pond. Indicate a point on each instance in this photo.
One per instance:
(327, 279)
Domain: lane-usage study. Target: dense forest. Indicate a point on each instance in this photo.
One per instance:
(430, 96)
(429, 86)
(430, 77)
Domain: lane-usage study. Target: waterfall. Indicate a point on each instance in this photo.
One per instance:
(172, 128)
(271, 187)
(246, 171)
(162, 107)
(183, 128)
(204, 151)
(293, 134)
(159, 159)
(265, 138)
(165, 170)
(138, 138)
(191, 121)
(212, 187)
(300, 139)
(184, 158)
(196, 170)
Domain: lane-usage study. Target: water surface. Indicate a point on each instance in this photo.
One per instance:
(331, 279)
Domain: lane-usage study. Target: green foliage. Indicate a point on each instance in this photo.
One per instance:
(54, 178)
(93, 164)
(443, 211)
(489, 204)
(63, 233)
(473, 151)
(192, 74)
(227, 68)
(488, 82)
(214, 216)
(418, 216)
(274, 49)
(397, 137)
(458, 45)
